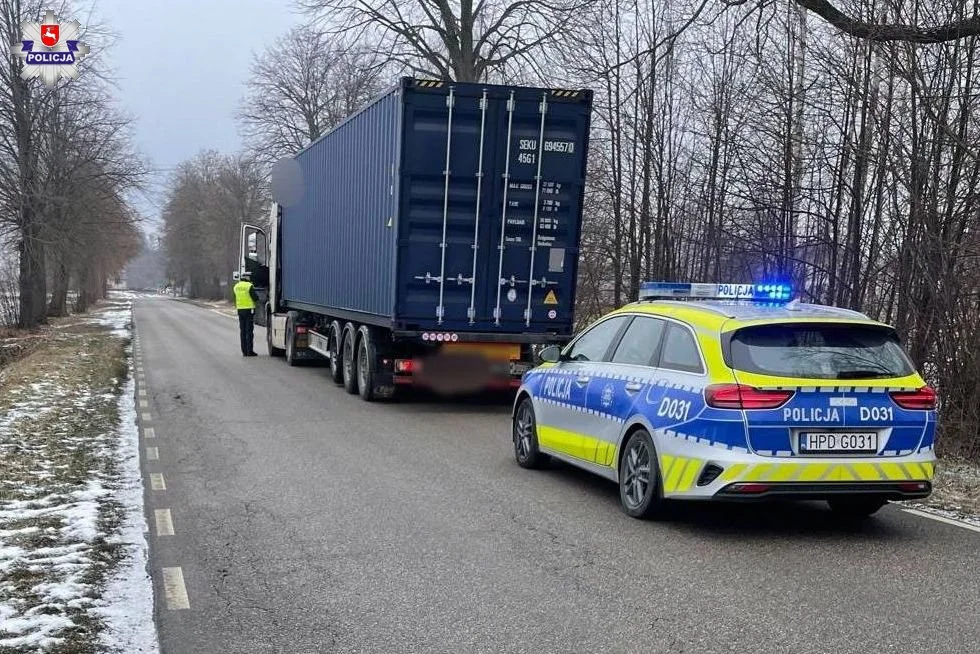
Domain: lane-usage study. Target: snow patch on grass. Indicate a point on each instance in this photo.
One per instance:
(128, 597)
(73, 551)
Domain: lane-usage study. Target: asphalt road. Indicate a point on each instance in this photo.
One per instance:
(306, 520)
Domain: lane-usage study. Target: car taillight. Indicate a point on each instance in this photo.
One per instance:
(739, 396)
(404, 365)
(300, 329)
(922, 399)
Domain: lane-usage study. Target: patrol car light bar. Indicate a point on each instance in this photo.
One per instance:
(769, 292)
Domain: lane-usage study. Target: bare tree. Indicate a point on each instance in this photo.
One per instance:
(209, 198)
(454, 41)
(301, 87)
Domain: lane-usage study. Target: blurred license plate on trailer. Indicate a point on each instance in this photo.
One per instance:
(838, 442)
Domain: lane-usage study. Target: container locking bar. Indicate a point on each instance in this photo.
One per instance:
(543, 108)
(471, 312)
(503, 212)
(451, 103)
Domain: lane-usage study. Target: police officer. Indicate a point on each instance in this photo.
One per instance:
(245, 299)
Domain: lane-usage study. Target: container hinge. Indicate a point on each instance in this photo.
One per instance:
(471, 314)
(439, 312)
(510, 103)
(450, 100)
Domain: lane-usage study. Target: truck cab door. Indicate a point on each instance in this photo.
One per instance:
(254, 259)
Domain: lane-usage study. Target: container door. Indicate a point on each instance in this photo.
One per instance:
(541, 143)
(445, 171)
(480, 186)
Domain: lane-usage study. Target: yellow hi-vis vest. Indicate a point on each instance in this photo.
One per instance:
(242, 299)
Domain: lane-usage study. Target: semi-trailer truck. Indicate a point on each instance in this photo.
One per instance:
(430, 239)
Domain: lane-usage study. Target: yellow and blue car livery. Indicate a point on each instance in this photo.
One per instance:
(739, 394)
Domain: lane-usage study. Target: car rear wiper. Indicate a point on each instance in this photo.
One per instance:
(863, 374)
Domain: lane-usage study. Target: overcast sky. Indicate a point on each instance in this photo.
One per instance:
(182, 65)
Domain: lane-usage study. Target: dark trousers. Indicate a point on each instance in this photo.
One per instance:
(246, 330)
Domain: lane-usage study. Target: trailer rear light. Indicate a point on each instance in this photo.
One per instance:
(300, 329)
(921, 399)
(739, 396)
(404, 365)
(913, 486)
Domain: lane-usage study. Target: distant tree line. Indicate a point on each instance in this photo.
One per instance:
(207, 201)
(66, 166)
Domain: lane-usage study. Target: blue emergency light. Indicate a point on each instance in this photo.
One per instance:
(768, 292)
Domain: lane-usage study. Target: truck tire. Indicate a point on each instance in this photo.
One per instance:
(348, 358)
(336, 352)
(273, 351)
(367, 362)
(291, 339)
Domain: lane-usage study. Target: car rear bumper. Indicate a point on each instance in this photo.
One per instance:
(908, 490)
(698, 471)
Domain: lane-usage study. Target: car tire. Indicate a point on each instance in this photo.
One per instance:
(366, 364)
(336, 353)
(856, 507)
(524, 430)
(348, 360)
(640, 486)
(273, 351)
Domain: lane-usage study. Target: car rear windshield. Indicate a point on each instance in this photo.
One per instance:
(819, 351)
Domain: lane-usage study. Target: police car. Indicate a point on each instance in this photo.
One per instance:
(733, 391)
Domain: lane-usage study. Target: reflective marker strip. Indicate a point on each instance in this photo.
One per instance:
(149, 432)
(157, 482)
(152, 454)
(687, 480)
(174, 590)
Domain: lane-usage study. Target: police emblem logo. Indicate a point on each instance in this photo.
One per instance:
(50, 34)
(607, 396)
(50, 50)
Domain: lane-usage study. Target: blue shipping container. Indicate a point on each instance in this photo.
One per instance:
(444, 206)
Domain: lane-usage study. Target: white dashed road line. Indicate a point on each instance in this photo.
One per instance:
(157, 482)
(223, 315)
(174, 590)
(149, 432)
(146, 417)
(940, 518)
(144, 404)
(152, 454)
(165, 522)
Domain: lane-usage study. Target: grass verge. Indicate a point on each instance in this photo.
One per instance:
(58, 433)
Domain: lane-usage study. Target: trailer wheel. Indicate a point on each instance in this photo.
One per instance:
(366, 365)
(348, 359)
(336, 353)
(273, 351)
(291, 340)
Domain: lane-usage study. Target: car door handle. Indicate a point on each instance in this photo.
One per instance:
(634, 387)
(582, 380)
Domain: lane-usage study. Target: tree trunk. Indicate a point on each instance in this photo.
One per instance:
(59, 292)
(32, 278)
(82, 299)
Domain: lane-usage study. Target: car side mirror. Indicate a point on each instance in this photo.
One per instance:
(551, 354)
